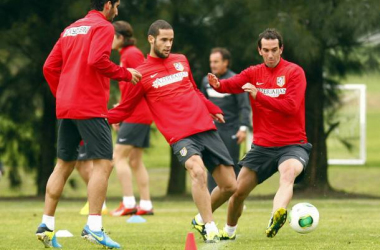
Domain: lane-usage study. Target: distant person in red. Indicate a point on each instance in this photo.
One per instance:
(78, 70)
(184, 116)
(133, 132)
(277, 93)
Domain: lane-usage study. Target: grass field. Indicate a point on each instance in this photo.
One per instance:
(344, 224)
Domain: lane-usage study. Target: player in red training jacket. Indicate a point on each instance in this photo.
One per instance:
(277, 94)
(78, 70)
(182, 114)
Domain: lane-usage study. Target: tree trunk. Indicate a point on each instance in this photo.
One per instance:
(177, 180)
(316, 173)
(47, 142)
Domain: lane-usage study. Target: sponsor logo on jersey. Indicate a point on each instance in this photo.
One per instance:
(152, 76)
(163, 81)
(273, 92)
(259, 83)
(281, 81)
(81, 30)
(183, 151)
(178, 66)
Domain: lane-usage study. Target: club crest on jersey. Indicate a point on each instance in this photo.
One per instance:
(178, 66)
(183, 151)
(281, 81)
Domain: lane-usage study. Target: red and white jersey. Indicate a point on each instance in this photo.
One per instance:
(279, 108)
(179, 109)
(78, 69)
(132, 57)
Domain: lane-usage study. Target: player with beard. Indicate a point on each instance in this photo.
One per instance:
(182, 114)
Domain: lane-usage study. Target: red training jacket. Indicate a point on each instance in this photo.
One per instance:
(179, 109)
(78, 68)
(279, 108)
(132, 57)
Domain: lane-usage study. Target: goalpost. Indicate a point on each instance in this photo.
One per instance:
(346, 144)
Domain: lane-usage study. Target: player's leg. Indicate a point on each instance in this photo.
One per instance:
(202, 199)
(96, 134)
(84, 169)
(292, 162)
(142, 179)
(246, 182)
(68, 139)
(121, 158)
(226, 181)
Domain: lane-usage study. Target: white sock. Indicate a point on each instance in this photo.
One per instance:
(49, 221)
(94, 222)
(129, 201)
(199, 219)
(211, 227)
(146, 205)
(230, 230)
(104, 205)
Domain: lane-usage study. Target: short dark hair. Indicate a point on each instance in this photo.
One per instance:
(125, 29)
(270, 34)
(99, 4)
(155, 27)
(226, 55)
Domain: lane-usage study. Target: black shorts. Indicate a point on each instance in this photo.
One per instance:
(206, 144)
(82, 154)
(265, 160)
(134, 134)
(95, 133)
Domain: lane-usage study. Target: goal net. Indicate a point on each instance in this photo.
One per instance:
(346, 143)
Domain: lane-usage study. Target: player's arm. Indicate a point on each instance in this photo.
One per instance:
(99, 57)
(295, 92)
(232, 85)
(127, 105)
(215, 111)
(53, 67)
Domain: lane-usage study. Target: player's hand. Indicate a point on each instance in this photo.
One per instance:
(251, 89)
(240, 136)
(116, 126)
(218, 117)
(136, 76)
(213, 81)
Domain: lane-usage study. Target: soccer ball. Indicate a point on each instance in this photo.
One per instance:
(304, 218)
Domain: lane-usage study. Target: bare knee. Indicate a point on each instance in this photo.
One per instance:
(196, 170)
(228, 188)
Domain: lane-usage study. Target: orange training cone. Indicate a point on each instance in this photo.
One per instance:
(190, 242)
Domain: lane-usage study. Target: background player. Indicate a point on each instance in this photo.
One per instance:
(236, 109)
(133, 133)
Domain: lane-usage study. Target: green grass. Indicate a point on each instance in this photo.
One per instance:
(344, 224)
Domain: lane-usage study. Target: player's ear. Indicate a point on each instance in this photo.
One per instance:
(151, 39)
(259, 50)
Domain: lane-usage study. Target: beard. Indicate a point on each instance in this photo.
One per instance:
(159, 53)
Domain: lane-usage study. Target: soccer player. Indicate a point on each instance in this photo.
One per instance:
(236, 109)
(133, 133)
(78, 70)
(182, 114)
(277, 94)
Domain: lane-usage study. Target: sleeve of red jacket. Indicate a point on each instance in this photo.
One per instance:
(233, 85)
(53, 66)
(212, 108)
(128, 104)
(295, 93)
(99, 55)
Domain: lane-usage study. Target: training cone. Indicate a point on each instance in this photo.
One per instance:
(190, 242)
(136, 219)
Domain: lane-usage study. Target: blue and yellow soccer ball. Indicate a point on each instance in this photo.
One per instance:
(304, 218)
